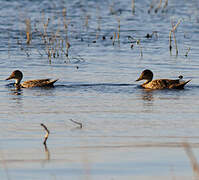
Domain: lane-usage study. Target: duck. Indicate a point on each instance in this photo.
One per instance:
(17, 75)
(160, 83)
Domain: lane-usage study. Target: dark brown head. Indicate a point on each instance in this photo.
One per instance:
(146, 75)
(180, 77)
(17, 75)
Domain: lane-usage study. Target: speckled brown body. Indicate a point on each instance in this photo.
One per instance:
(38, 83)
(17, 75)
(160, 83)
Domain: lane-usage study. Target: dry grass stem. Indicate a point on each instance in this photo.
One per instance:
(98, 19)
(118, 32)
(187, 51)
(47, 133)
(177, 24)
(159, 6)
(151, 7)
(80, 124)
(45, 26)
(67, 48)
(64, 14)
(173, 30)
(165, 4)
(133, 6)
(111, 8)
(86, 21)
(170, 33)
(114, 37)
(98, 24)
(28, 31)
(174, 37)
(170, 46)
(65, 24)
(138, 43)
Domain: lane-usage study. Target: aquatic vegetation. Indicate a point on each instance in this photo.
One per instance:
(158, 6)
(65, 33)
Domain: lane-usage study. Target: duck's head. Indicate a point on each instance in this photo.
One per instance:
(146, 75)
(180, 77)
(17, 75)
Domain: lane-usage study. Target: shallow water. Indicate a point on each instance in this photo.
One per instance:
(128, 132)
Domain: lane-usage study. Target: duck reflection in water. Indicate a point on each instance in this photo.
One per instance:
(147, 95)
(16, 91)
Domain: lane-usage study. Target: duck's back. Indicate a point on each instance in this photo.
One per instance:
(165, 84)
(38, 83)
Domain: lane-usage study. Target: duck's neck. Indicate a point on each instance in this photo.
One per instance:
(147, 81)
(17, 82)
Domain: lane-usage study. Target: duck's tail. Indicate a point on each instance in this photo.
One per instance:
(182, 84)
(51, 82)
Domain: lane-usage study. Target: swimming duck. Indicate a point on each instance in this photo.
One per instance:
(160, 83)
(18, 75)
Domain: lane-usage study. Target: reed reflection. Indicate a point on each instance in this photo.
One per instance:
(47, 152)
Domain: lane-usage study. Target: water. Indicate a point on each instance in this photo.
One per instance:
(128, 132)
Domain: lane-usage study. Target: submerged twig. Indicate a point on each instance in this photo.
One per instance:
(80, 124)
(47, 133)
